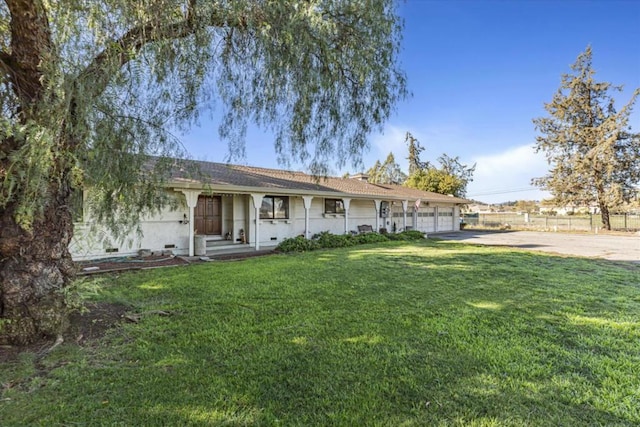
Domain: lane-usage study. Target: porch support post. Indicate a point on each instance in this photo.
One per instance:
(436, 218)
(257, 202)
(346, 202)
(192, 201)
(405, 205)
(376, 203)
(307, 209)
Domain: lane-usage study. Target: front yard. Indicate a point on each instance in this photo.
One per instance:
(397, 333)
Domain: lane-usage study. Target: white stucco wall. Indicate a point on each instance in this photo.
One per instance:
(272, 232)
(159, 232)
(167, 230)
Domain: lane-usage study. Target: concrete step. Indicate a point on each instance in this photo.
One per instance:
(204, 244)
(229, 248)
(211, 243)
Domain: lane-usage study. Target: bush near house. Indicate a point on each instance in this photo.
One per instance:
(407, 235)
(326, 240)
(297, 244)
(371, 238)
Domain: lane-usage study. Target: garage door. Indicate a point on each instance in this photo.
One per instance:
(445, 219)
(426, 220)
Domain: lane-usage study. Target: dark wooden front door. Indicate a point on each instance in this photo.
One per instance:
(207, 215)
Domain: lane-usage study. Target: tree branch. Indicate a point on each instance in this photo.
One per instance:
(121, 51)
(30, 47)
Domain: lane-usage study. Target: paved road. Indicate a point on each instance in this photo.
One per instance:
(614, 247)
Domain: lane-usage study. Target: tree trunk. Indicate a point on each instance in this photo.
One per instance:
(604, 212)
(35, 266)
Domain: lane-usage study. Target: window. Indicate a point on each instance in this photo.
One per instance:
(274, 207)
(335, 206)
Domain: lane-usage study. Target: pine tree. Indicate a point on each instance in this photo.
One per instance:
(415, 149)
(388, 172)
(374, 173)
(593, 154)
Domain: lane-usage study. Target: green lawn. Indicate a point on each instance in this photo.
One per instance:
(394, 334)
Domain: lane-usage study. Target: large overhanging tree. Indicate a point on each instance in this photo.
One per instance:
(593, 154)
(88, 89)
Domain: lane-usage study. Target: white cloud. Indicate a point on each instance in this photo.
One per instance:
(507, 175)
(499, 177)
(392, 140)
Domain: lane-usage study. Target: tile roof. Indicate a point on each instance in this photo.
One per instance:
(247, 178)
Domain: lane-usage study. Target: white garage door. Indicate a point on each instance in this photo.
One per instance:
(426, 220)
(445, 219)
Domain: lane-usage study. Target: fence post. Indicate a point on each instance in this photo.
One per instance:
(590, 221)
(625, 222)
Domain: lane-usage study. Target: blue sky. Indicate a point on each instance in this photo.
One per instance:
(480, 71)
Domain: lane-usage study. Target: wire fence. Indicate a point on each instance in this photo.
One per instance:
(625, 222)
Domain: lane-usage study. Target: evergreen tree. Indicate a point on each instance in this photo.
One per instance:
(452, 177)
(89, 89)
(415, 149)
(593, 154)
(374, 172)
(388, 172)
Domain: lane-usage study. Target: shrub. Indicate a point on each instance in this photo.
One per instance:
(297, 244)
(328, 240)
(407, 235)
(413, 234)
(370, 238)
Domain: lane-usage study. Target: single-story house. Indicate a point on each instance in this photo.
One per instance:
(241, 206)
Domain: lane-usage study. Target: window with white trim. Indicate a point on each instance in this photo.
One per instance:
(274, 207)
(333, 206)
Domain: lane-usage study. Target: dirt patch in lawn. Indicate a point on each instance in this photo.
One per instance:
(156, 261)
(129, 263)
(101, 316)
(83, 328)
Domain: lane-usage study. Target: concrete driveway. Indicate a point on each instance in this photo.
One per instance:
(614, 247)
